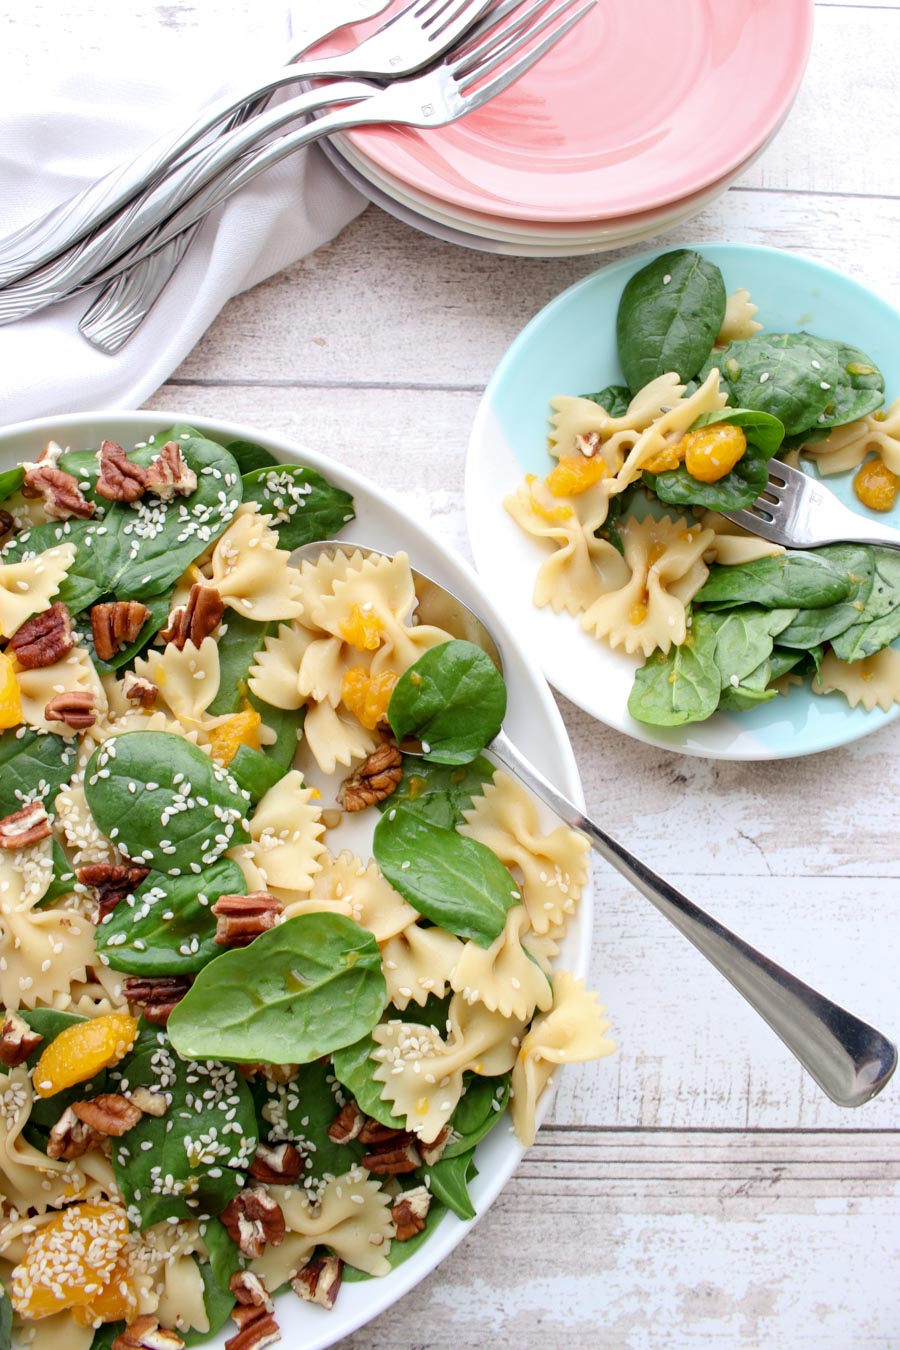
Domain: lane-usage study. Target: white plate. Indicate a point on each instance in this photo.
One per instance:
(569, 348)
(533, 722)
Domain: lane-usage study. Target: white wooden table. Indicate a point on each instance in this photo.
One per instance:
(696, 1189)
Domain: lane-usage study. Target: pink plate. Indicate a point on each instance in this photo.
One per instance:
(644, 102)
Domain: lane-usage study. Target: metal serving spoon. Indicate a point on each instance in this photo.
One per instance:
(850, 1060)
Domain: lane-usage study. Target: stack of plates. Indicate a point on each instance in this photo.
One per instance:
(641, 116)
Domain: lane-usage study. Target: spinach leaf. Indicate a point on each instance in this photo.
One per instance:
(218, 1302)
(449, 1181)
(614, 399)
(33, 766)
(480, 1107)
(194, 1159)
(166, 926)
(299, 991)
(237, 651)
(287, 724)
(859, 389)
(303, 505)
(742, 484)
(668, 318)
(813, 626)
(64, 878)
(249, 456)
(455, 882)
(452, 699)
(224, 1253)
(790, 375)
(744, 640)
(164, 802)
(254, 772)
(439, 793)
(5, 1319)
(302, 1111)
(801, 580)
(681, 687)
(353, 1068)
(105, 1335)
(10, 481)
(878, 623)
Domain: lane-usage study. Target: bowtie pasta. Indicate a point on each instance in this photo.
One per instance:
(629, 533)
(233, 1053)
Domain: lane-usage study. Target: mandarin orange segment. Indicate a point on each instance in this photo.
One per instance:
(367, 696)
(712, 452)
(576, 473)
(10, 697)
(81, 1050)
(666, 459)
(227, 738)
(79, 1260)
(362, 629)
(876, 486)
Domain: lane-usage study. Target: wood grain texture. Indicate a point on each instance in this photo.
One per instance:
(695, 1189)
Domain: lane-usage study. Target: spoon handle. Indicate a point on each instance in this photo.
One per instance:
(850, 1060)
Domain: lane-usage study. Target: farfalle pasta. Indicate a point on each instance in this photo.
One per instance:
(232, 1049)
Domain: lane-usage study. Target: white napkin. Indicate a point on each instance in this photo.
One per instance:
(64, 124)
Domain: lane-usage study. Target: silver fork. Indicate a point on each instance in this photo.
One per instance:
(800, 512)
(445, 93)
(124, 302)
(415, 37)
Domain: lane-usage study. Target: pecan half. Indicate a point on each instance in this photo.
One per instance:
(120, 480)
(197, 619)
(24, 827)
(76, 707)
(17, 1041)
(373, 1132)
(241, 918)
(254, 1220)
(374, 780)
(43, 639)
(139, 690)
(168, 475)
(156, 995)
(146, 1334)
(109, 1114)
(112, 882)
(149, 1101)
(71, 1138)
(319, 1281)
(7, 523)
(347, 1124)
(393, 1158)
(59, 491)
(277, 1164)
(409, 1212)
(115, 624)
(256, 1327)
(252, 1313)
(433, 1152)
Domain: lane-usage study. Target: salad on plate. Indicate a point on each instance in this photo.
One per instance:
(630, 533)
(235, 1060)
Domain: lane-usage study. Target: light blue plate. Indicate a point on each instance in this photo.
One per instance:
(570, 348)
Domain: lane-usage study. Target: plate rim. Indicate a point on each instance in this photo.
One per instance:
(625, 267)
(380, 1293)
(380, 146)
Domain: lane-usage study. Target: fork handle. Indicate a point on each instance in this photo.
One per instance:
(850, 1060)
(40, 241)
(190, 191)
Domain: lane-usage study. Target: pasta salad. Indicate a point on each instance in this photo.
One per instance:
(232, 1060)
(630, 525)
